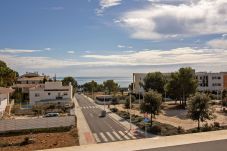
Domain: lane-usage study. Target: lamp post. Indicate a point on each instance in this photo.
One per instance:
(130, 115)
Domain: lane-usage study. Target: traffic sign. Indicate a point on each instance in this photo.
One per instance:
(146, 120)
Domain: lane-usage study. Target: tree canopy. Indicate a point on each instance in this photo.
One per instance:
(152, 103)
(199, 108)
(182, 84)
(92, 86)
(7, 76)
(67, 80)
(154, 81)
(111, 86)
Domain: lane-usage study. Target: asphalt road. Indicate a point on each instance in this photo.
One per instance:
(220, 145)
(104, 129)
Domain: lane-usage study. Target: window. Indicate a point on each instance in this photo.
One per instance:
(65, 93)
(49, 93)
(36, 94)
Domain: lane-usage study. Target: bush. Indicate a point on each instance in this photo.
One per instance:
(26, 141)
(114, 110)
(217, 124)
(180, 130)
(206, 127)
(156, 129)
(224, 102)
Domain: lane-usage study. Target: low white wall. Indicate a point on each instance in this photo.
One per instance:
(23, 124)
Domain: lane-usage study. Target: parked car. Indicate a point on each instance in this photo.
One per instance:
(103, 113)
(68, 105)
(52, 115)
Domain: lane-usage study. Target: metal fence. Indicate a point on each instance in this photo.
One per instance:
(23, 124)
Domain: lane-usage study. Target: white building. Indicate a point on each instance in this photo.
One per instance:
(53, 92)
(208, 81)
(4, 98)
(138, 81)
(32, 78)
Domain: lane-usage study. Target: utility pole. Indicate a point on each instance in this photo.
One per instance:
(130, 100)
(104, 102)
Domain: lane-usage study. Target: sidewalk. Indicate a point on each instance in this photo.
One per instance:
(134, 129)
(149, 143)
(85, 134)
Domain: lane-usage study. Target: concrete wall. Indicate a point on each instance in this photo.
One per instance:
(23, 124)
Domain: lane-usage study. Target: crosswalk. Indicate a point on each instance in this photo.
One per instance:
(104, 137)
(89, 107)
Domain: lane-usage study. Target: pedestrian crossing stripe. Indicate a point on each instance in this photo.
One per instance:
(103, 137)
(124, 135)
(117, 136)
(89, 107)
(96, 138)
(128, 133)
(111, 137)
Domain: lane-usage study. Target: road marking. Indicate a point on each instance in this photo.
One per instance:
(115, 134)
(96, 138)
(103, 137)
(130, 135)
(111, 137)
(124, 135)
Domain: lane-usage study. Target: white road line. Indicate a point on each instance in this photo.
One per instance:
(103, 137)
(123, 134)
(130, 135)
(111, 137)
(118, 137)
(96, 138)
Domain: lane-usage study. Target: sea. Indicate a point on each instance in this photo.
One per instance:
(122, 81)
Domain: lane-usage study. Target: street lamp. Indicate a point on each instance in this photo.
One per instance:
(130, 115)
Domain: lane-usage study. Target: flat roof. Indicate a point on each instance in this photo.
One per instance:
(4, 90)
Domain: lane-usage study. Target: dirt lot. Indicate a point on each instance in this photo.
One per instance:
(178, 117)
(41, 141)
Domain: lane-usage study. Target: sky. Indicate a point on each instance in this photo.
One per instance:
(94, 38)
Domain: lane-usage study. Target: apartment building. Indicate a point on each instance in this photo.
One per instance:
(214, 82)
(4, 98)
(51, 92)
(29, 80)
(138, 81)
(207, 81)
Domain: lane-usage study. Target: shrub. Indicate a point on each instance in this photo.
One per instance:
(180, 130)
(156, 129)
(26, 141)
(224, 102)
(217, 124)
(206, 127)
(114, 110)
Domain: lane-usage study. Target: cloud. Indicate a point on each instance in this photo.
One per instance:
(123, 46)
(185, 55)
(218, 43)
(202, 59)
(14, 51)
(166, 21)
(56, 8)
(71, 52)
(120, 46)
(47, 49)
(104, 4)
